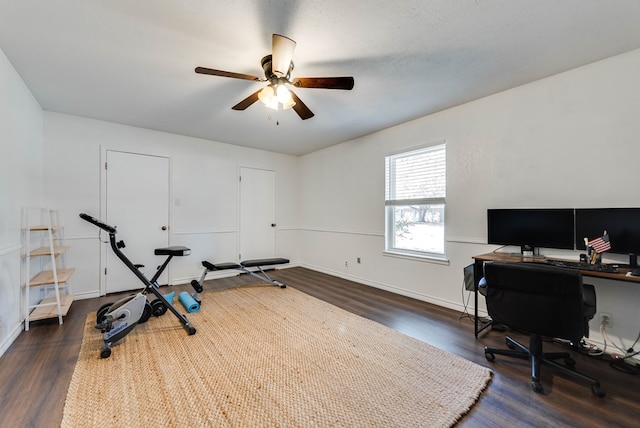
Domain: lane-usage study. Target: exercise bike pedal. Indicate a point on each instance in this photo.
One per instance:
(104, 327)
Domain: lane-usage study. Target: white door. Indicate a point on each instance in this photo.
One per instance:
(137, 202)
(257, 213)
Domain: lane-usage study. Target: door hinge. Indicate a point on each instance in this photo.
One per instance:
(105, 165)
(239, 256)
(105, 271)
(239, 178)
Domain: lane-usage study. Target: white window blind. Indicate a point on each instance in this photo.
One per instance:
(417, 176)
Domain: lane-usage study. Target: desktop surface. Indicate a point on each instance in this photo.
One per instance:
(609, 271)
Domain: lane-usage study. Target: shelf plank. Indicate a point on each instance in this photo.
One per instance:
(46, 277)
(43, 228)
(48, 308)
(45, 251)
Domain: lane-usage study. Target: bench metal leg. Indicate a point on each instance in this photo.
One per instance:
(264, 276)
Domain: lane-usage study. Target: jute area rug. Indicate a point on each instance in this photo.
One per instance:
(265, 356)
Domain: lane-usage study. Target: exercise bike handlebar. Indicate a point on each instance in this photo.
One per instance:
(96, 222)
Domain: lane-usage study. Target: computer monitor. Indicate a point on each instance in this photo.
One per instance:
(531, 228)
(622, 226)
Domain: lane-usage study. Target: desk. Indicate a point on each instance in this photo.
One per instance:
(478, 273)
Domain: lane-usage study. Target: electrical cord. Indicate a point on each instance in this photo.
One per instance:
(619, 362)
(623, 350)
(632, 347)
(465, 304)
(582, 347)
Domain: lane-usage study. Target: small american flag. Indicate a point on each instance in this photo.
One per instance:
(601, 244)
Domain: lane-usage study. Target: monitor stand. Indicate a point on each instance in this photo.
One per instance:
(633, 265)
(530, 251)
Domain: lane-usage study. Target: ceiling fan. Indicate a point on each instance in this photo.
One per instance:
(277, 71)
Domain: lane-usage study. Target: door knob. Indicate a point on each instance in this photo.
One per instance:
(273, 225)
(164, 227)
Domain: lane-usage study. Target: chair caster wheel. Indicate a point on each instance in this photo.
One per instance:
(570, 363)
(537, 387)
(597, 391)
(105, 353)
(191, 331)
(490, 356)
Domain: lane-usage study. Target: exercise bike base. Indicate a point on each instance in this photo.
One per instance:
(118, 319)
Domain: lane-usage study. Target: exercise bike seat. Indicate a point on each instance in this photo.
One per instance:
(175, 250)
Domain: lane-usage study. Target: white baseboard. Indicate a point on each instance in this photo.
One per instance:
(87, 295)
(418, 296)
(11, 338)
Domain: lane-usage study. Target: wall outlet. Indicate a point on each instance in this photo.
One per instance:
(606, 320)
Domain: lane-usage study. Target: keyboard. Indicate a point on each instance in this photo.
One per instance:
(582, 266)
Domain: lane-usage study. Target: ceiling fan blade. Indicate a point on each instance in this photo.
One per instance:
(301, 108)
(247, 101)
(281, 54)
(324, 82)
(213, 72)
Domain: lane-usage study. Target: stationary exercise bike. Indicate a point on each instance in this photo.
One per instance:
(116, 320)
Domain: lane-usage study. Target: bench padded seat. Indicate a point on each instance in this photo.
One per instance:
(264, 262)
(221, 266)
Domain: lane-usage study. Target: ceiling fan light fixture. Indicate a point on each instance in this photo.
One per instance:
(276, 98)
(283, 94)
(268, 97)
(288, 104)
(284, 97)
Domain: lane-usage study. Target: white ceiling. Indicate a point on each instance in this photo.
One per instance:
(132, 61)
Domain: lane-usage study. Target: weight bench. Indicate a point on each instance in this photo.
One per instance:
(242, 267)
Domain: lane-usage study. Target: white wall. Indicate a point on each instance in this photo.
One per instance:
(571, 140)
(204, 177)
(20, 185)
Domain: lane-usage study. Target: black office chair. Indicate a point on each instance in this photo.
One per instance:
(543, 301)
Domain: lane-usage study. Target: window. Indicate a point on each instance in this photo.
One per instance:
(415, 192)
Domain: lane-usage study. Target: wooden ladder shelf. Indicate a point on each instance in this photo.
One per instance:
(45, 275)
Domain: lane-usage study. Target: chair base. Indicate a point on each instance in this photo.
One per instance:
(539, 358)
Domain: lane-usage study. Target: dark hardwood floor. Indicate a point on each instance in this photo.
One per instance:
(36, 370)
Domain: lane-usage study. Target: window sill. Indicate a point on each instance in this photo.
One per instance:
(427, 259)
